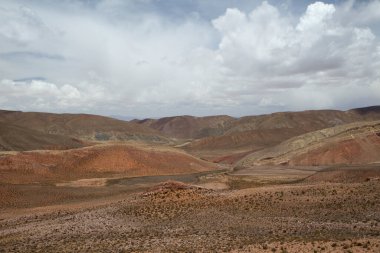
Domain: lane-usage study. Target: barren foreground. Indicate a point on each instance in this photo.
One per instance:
(307, 215)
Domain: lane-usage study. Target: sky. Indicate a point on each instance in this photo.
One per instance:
(156, 58)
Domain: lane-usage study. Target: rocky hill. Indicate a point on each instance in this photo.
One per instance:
(81, 126)
(355, 143)
(256, 132)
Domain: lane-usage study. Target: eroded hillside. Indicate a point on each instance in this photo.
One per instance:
(355, 143)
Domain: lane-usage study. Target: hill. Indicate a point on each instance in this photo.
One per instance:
(262, 131)
(17, 138)
(355, 143)
(188, 127)
(98, 161)
(218, 134)
(82, 126)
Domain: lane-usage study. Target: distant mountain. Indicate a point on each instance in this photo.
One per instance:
(123, 117)
(221, 133)
(188, 127)
(254, 132)
(367, 111)
(82, 126)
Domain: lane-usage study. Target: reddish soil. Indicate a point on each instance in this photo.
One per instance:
(97, 161)
(254, 132)
(355, 143)
(104, 198)
(355, 151)
(230, 159)
(252, 140)
(354, 174)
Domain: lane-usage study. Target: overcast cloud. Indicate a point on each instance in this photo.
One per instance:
(152, 58)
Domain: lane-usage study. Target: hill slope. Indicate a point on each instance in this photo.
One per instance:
(355, 143)
(83, 126)
(97, 161)
(17, 138)
(189, 127)
(256, 132)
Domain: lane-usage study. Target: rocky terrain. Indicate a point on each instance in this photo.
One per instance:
(253, 132)
(221, 133)
(285, 182)
(177, 217)
(355, 143)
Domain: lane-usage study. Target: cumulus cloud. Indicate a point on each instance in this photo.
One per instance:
(129, 57)
(41, 95)
(316, 53)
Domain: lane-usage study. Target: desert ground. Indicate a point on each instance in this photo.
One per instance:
(186, 184)
(271, 209)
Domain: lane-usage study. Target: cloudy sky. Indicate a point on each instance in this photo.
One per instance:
(154, 58)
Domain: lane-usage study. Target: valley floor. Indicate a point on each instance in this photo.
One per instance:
(133, 215)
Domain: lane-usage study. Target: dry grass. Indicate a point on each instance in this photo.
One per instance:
(176, 217)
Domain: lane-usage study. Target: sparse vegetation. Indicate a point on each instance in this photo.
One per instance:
(175, 217)
(139, 197)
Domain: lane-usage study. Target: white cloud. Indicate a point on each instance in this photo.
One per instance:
(316, 53)
(19, 25)
(365, 13)
(43, 95)
(118, 58)
(316, 18)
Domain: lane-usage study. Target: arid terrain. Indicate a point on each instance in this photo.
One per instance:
(285, 182)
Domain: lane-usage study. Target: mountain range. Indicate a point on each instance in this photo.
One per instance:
(218, 138)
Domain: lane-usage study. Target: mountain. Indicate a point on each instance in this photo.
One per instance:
(212, 134)
(257, 132)
(366, 112)
(354, 143)
(188, 127)
(82, 126)
(17, 138)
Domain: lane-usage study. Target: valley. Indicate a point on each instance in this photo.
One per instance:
(285, 182)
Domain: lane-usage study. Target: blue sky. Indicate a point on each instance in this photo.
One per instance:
(154, 58)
